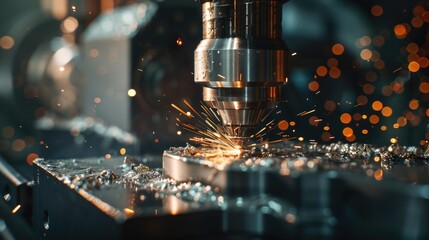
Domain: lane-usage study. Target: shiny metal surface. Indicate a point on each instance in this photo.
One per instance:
(15, 190)
(353, 193)
(281, 192)
(127, 198)
(241, 61)
(236, 62)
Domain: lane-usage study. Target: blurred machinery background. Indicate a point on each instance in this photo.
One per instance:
(98, 77)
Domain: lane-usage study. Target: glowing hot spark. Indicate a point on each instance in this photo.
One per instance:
(208, 128)
(213, 136)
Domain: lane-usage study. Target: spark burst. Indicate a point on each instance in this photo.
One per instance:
(208, 129)
(211, 134)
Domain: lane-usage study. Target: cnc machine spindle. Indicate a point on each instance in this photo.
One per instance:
(240, 61)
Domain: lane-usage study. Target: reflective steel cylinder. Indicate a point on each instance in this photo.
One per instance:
(241, 60)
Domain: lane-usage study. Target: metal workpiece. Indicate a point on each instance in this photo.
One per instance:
(232, 180)
(241, 61)
(127, 198)
(338, 190)
(291, 190)
(254, 168)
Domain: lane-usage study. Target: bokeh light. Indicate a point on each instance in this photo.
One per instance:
(377, 10)
(337, 49)
(283, 125)
(346, 118)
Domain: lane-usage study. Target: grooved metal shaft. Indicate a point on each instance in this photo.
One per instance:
(241, 60)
